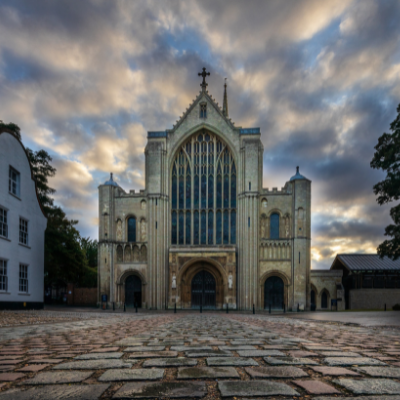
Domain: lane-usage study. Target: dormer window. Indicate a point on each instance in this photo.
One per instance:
(203, 110)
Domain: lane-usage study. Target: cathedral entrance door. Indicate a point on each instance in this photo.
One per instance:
(133, 291)
(203, 290)
(273, 293)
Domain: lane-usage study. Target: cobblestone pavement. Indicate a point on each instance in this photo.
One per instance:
(193, 355)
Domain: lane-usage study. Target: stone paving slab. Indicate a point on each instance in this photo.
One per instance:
(99, 356)
(170, 362)
(144, 349)
(52, 377)
(237, 347)
(208, 373)
(339, 354)
(191, 348)
(138, 374)
(10, 376)
(381, 372)
(339, 361)
(59, 392)
(96, 364)
(316, 387)
(255, 388)
(358, 398)
(231, 361)
(289, 361)
(172, 390)
(370, 386)
(154, 354)
(210, 353)
(334, 371)
(260, 353)
(276, 372)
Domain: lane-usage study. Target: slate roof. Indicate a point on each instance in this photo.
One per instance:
(367, 262)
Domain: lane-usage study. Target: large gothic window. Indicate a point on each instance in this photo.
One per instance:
(203, 198)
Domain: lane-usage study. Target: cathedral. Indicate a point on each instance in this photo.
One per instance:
(204, 232)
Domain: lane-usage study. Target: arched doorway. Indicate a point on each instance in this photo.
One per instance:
(324, 300)
(133, 291)
(203, 290)
(313, 304)
(273, 293)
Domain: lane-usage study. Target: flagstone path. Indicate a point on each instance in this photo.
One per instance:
(193, 355)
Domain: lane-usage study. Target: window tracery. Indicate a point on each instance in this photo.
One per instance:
(203, 192)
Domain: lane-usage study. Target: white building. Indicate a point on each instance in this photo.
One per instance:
(22, 227)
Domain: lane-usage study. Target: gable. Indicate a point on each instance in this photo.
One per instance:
(191, 117)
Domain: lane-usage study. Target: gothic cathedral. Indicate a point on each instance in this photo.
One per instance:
(204, 232)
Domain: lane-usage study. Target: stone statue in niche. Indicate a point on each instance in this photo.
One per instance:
(173, 281)
(263, 227)
(287, 227)
(119, 230)
(143, 204)
(143, 230)
(230, 281)
(136, 254)
(264, 203)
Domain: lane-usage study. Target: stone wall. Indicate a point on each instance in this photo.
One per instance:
(367, 299)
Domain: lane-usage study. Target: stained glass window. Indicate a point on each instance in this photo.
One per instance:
(209, 200)
(203, 228)
(274, 226)
(174, 227)
(196, 227)
(188, 225)
(132, 229)
(210, 227)
(181, 229)
(226, 227)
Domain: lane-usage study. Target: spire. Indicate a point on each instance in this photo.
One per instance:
(225, 105)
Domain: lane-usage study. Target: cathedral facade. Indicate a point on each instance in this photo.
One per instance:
(204, 232)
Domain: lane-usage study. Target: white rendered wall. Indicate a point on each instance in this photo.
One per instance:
(27, 206)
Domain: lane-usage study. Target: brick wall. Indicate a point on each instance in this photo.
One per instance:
(81, 296)
(374, 298)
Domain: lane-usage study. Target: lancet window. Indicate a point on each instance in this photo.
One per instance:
(203, 192)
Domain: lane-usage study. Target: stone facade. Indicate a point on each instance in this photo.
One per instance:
(21, 253)
(269, 229)
(328, 283)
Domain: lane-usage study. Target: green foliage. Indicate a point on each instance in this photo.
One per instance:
(42, 170)
(387, 158)
(64, 258)
(68, 257)
(12, 127)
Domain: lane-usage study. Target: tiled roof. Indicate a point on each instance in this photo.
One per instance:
(367, 262)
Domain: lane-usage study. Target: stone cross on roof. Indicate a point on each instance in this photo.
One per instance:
(204, 84)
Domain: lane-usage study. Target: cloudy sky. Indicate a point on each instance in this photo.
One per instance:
(86, 80)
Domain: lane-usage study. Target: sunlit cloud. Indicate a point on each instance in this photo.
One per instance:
(320, 78)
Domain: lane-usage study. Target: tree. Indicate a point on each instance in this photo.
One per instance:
(68, 257)
(12, 127)
(387, 158)
(42, 170)
(89, 275)
(64, 259)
